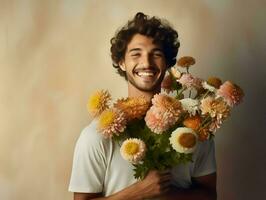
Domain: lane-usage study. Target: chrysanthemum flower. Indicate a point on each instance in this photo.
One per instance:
(163, 114)
(215, 124)
(206, 105)
(133, 150)
(184, 140)
(214, 81)
(215, 107)
(166, 102)
(159, 121)
(175, 72)
(209, 87)
(186, 61)
(98, 102)
(203, 134)
(133, 107)
(193, 122)
(111, 122)
(188, 81)
(190, 105)
(231, 92)
(167, 83)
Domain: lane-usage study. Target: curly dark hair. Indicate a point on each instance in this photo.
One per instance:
(161, 32)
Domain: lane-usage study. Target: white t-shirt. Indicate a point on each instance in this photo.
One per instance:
(99, 167)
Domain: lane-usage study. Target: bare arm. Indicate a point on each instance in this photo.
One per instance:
(154, 185)
(204, 188)
(157, 184)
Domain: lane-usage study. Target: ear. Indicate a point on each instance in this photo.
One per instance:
(122, 65)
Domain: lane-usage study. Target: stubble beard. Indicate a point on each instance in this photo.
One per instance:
(154, 88)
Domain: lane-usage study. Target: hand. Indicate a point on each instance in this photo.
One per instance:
(155, 184)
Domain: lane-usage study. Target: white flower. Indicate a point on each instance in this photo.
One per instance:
(190, 105)
(175, 72)
(170, 94)
(133, 150)
(207, 86)
(184, 140)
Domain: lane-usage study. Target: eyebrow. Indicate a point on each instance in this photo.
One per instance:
(139, 49)
(135, 49)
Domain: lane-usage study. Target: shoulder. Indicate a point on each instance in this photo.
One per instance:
(90, 138)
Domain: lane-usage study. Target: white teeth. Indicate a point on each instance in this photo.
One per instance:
(145, 73)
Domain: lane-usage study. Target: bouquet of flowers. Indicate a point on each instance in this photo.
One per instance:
(164, 132)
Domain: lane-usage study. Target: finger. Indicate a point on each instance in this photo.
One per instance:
(165, 190)
(167, 171)
(165, 186)
(166, 177)
(165, 180)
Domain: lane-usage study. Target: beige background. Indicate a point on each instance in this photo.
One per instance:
(54, 53)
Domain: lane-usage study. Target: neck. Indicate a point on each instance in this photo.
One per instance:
(134, 92)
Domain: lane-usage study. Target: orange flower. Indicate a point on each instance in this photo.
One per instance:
(203, 134)
(215, 107)
(192, 122)
(166, 103)
(215, 82)
(186, 61)
(133, 107)
(167, 83)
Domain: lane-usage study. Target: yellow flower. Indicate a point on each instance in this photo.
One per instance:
(133, 150)
(134, 108)
(184, 140)
(98, 102)
(106, 119)
(111, 122)
(186, 61)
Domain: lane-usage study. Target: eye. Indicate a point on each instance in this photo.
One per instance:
(158, 55)
(135, 54)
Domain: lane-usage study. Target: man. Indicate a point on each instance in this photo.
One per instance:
(142, 51)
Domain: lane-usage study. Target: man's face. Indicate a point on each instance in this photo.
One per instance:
(144, 64)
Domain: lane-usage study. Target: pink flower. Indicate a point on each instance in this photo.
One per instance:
(215, 124)
(159, 121)
(231, 93)
(188, 81)
(163, 114)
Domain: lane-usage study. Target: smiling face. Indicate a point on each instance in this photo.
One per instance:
(144, 64)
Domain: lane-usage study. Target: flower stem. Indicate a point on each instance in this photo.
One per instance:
(205, 123)
(205, 94)
(180, 92)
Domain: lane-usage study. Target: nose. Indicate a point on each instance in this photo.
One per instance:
(146, 61)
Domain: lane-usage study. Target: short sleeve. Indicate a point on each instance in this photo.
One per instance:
(205, 161)
(89, 163)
